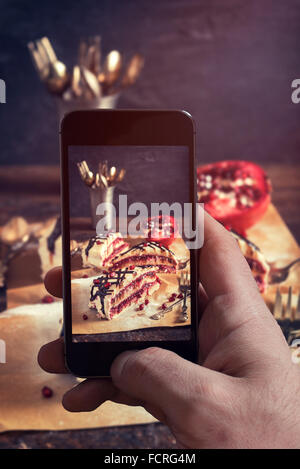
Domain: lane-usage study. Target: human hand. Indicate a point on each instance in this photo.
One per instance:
(245, 393)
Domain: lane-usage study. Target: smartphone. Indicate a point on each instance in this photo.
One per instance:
(129, 229)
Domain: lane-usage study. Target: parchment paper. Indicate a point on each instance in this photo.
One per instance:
(25, 329)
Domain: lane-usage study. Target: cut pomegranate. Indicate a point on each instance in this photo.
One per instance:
(47, 392)
(161, 229)
(236, 193)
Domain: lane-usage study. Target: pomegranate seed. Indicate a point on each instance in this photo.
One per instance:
(213, 196)
(107, 285)
(217, 185)
(47, 392)
(132, 267)
(214, 172)
(141, 307)
(226, 189)
(229, 174)
(98, 242)
(96, 281)
(85, 276)
(241, 174)
(146, 301)
(84, 317)
(48, 299)
(180, 296)
(111, 274)
(163, 306)
(171, 299)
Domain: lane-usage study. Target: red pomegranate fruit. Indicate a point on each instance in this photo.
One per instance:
(236, 193)
(161, 229)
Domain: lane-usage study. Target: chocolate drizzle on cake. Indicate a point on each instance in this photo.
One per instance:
(56, 232)
(101, 285)
(141, 246)
(150, 253)
(250, 243)
(91, 243)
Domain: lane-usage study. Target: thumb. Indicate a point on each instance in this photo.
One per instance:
(161, 379)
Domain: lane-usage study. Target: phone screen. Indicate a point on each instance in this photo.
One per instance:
(130, 240)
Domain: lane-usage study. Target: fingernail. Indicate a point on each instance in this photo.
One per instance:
(119, 363)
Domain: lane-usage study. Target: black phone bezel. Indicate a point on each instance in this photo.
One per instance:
(122, 127)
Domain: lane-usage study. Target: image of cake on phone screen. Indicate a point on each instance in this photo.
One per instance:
(130, 264)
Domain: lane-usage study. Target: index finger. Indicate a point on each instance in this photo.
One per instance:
(234, 301)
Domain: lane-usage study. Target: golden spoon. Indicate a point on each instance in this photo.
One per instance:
(57, 79)
(111, 69)
(133, 70)
(121, 175)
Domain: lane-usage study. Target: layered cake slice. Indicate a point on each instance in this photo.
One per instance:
(149, 253)
(256, 260)
(115, 292)
(99, 251)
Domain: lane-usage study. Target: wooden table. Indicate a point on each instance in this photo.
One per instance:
(33, 192)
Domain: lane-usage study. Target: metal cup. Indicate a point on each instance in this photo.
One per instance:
(78, 104)
(100, 195)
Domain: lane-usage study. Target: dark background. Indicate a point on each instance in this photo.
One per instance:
(230, 63)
